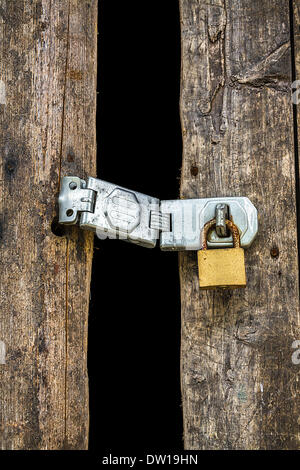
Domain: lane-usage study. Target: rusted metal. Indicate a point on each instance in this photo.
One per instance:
(229, 224)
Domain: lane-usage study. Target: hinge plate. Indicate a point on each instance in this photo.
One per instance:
(74, 198)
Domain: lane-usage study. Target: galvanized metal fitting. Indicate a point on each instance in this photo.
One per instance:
(116, 212)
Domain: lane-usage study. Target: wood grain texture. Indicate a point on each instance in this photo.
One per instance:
(296, 85)
(240, 387)
(47, 130)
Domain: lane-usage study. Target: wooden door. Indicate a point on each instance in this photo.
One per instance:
(240, 379)
(47, 129)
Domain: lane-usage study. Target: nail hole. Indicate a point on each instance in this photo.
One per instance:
(56, 228)
(69, 212)
(72, 185)
(10, 166)
(194, 170)
(274, 252)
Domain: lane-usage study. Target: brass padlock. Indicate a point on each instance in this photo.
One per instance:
(221, 267)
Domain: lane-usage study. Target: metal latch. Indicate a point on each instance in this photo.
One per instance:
(116, 212)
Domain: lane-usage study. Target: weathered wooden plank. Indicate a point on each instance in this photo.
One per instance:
(240, 386)
(47, 121)
(296, 36)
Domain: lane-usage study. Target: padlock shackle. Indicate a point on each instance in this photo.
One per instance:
(229, 224)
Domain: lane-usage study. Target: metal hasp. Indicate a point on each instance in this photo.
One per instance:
(116, 212)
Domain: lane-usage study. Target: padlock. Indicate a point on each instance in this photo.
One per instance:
(221, 267)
